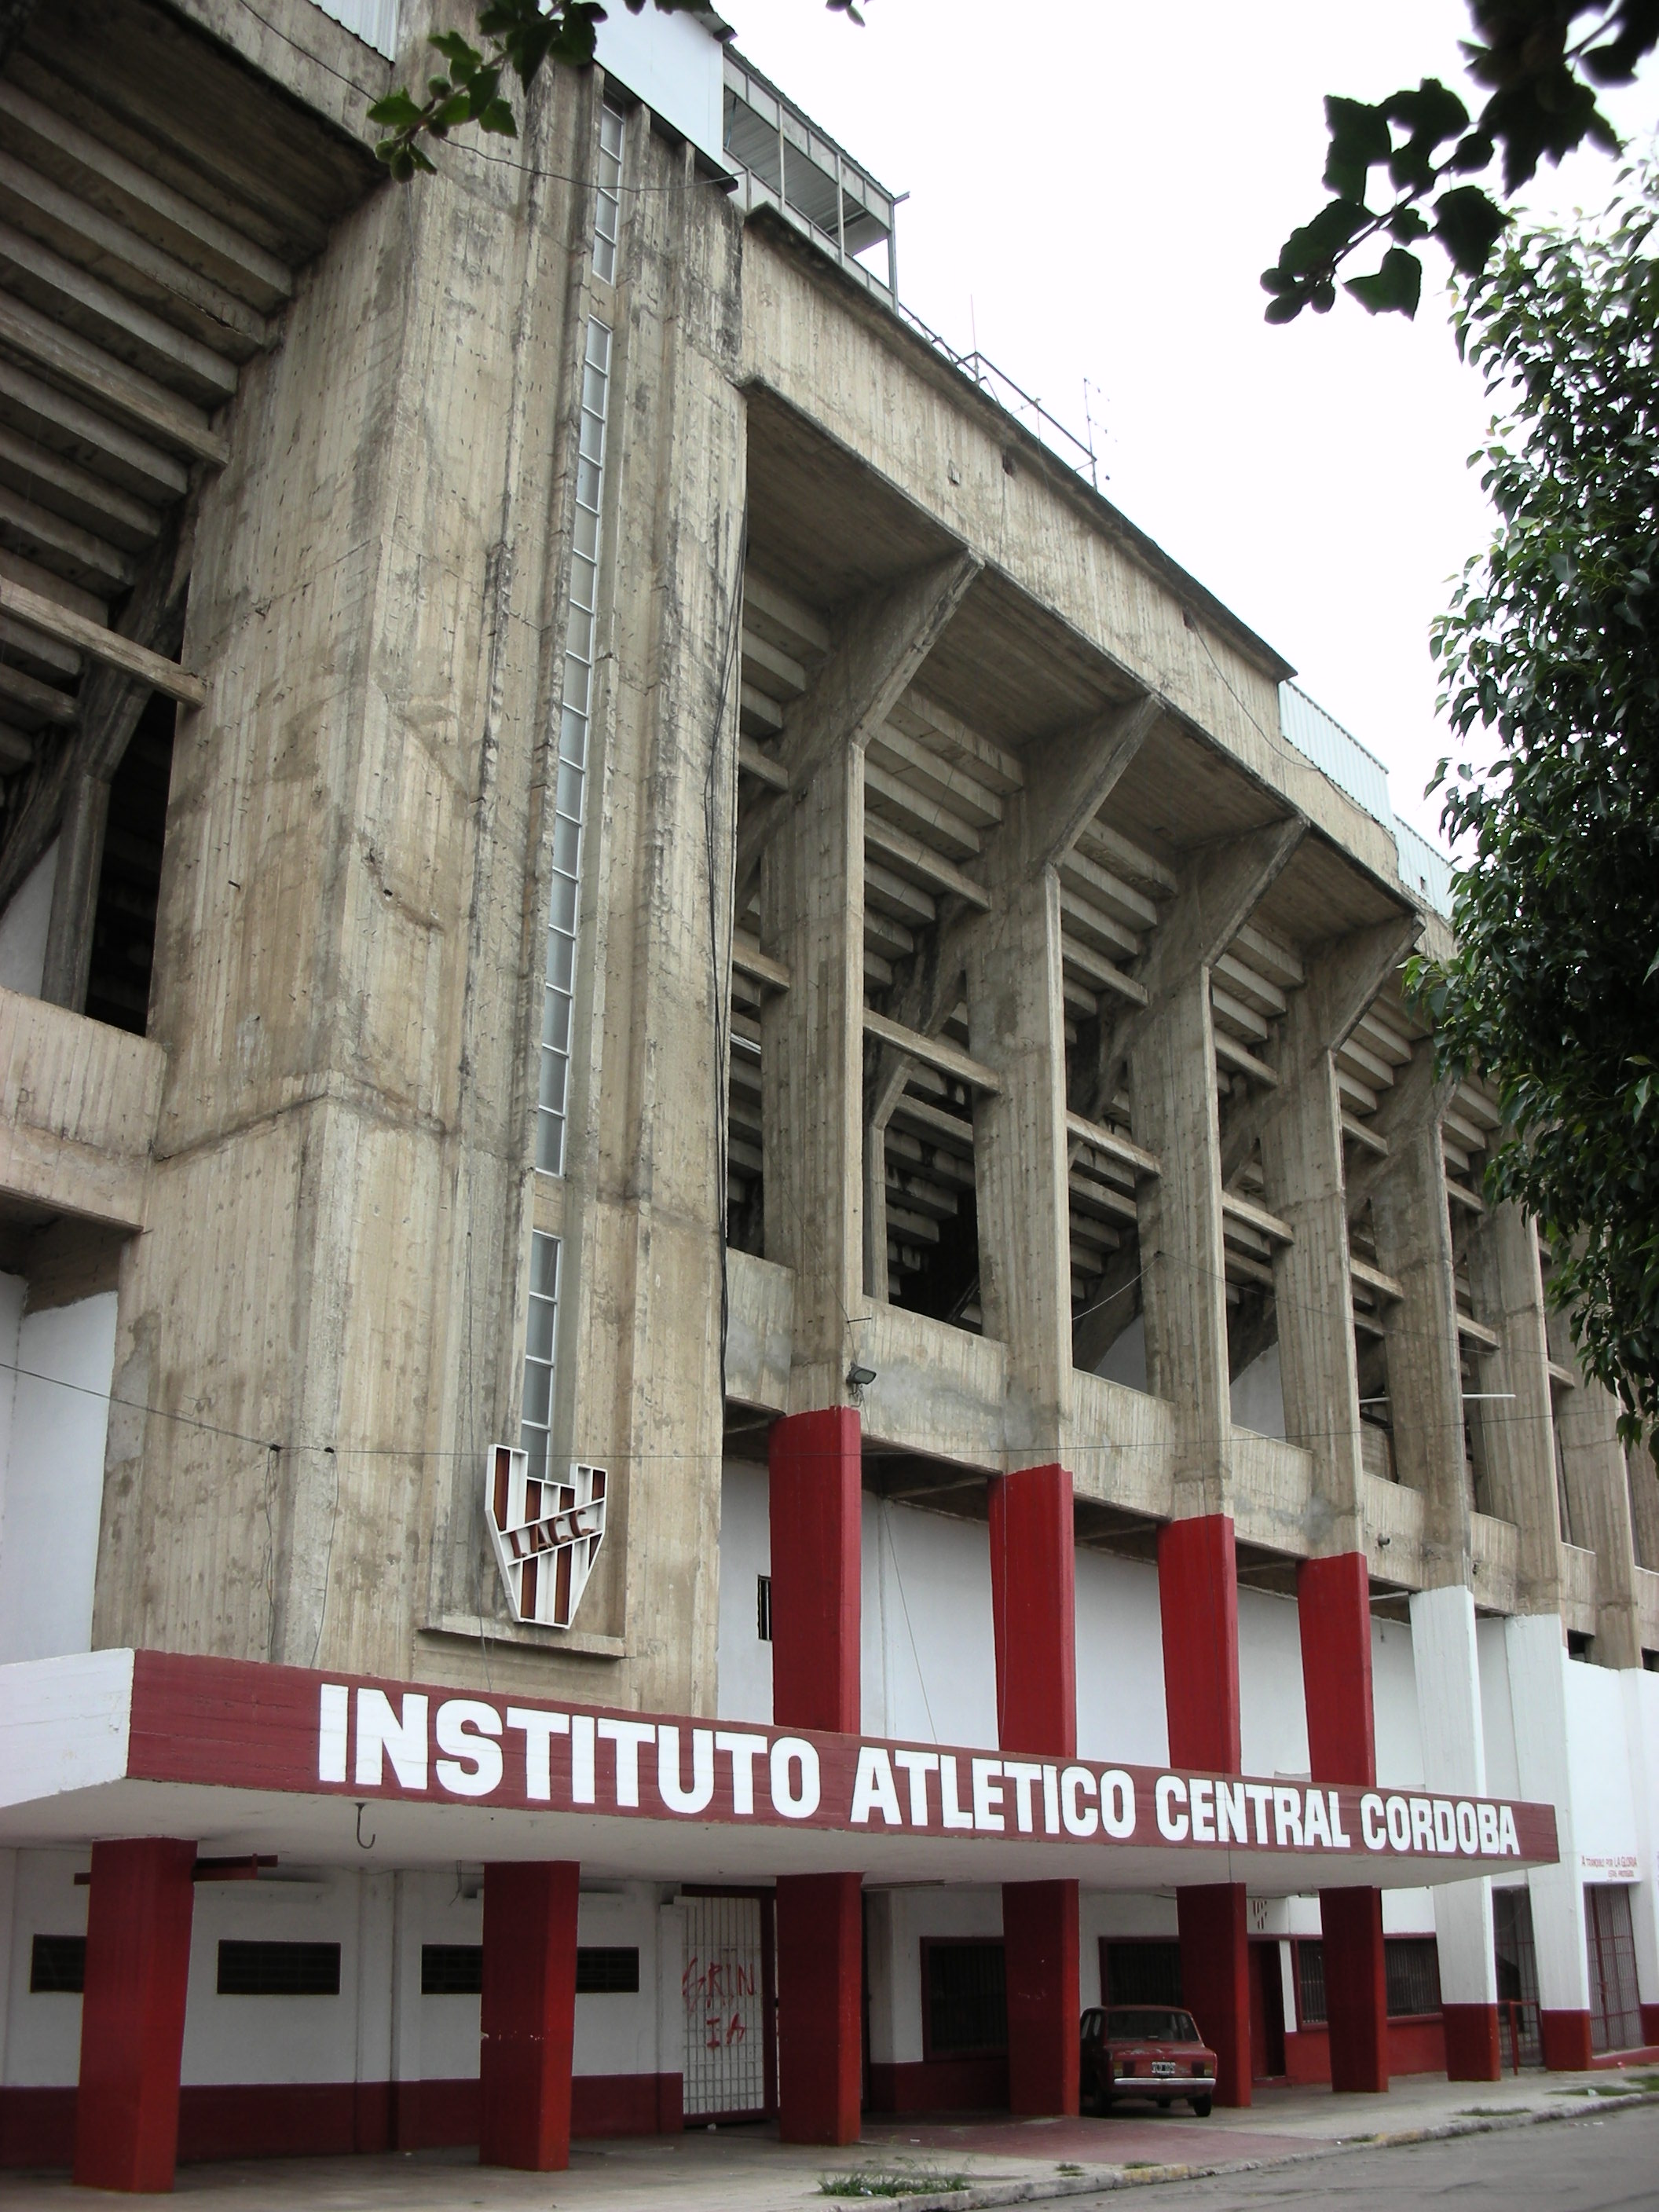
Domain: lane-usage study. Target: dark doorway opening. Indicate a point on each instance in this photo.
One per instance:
(1266, 2014)
(129, 880)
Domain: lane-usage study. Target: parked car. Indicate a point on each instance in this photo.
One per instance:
(1154, 2052)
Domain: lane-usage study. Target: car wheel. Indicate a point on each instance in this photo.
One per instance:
(1201, 2108)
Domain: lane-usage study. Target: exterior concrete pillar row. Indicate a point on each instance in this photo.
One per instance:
(1034, 1609)
(1333, 1600)
(1538, 1662)
(132, 2013)
(815, 1463)
(527, 2014)
(1197, 1601)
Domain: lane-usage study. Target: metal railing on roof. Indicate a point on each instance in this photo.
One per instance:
(785, 161)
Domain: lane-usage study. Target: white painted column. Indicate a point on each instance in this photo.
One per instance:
(376, 1932)
(8, 1908)
(1641, 1695)
(671, 1995)
(881, 1965)
(1538, 1696)
(1447, 1670)
(406, 1926)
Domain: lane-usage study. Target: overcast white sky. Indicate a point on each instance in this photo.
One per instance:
(1096, 187)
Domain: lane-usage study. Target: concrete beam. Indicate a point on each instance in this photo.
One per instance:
(1089, 761)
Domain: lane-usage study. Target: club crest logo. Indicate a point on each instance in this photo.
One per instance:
(547, 1534)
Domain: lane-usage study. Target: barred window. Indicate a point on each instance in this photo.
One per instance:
(967, 2006)
(1310, 1984)
(456, 1970)
(279, 1970)
(1413, 1970)
(540, 1352)
(1142, 1972)
(607, 1970)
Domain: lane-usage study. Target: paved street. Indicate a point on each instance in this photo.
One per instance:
(1605, 2163)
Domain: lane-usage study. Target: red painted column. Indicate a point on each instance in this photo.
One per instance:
(1197, 1602)
(1034, 1605)
(528, 2014)
(132, 2013)
(816, 1465)
(1565, 2038)
(1333, 1602)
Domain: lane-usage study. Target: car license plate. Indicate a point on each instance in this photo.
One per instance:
(1163, 2066)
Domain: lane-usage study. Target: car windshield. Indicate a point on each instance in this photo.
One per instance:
(1144, 2024)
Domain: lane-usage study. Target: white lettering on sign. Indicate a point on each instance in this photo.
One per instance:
(470, 1747)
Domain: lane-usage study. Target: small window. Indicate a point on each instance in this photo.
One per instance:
(763, 1607)
(279, 1970)
(452, 1970)
(611, 1970)
(1579, 1645)
(1650, 1660)
(58, 1966)
(1413, 1973)
(966, 2005)
(1310, 1984)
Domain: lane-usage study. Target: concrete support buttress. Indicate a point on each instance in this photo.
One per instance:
(1033, 1601)
(1015, 1018)
(1425, 1386)
(1450, 1726)
(1518, 1435)
(1598, 1494)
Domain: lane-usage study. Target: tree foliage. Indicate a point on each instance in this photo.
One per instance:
(519, 36)
(1541, 70)
(1551, 649)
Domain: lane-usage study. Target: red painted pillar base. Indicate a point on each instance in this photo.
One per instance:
(1215, 1980)
(132, 2013)
(1355, 1989)
(1651, 2023)
(1040, 1946)
(528, 2015)
(1565, 2037)
(820, 2007)
(1473, 2051)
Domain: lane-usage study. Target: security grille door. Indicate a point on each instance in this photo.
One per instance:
(1615, 2009)
(1519, 2040)
(725, 2025)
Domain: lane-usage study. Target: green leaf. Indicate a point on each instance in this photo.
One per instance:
(1395, 286)
(1360, 139)
(396, 112)
(1468, 225)
(499, 118)
(461, 58)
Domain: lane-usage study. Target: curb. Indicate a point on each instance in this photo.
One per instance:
(1101, 2180)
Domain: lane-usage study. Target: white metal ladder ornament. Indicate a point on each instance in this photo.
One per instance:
(547, 1534)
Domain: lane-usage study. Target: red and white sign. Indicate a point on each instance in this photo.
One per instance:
(240, 1725)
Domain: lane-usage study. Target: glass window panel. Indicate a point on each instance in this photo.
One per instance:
(561, 960)
(544, 1265)
(570, 790)
(595, 382)
(556, 1020)
(567, 839)
(577, 681)
(598, 343)
(555, 1068)
(579, 638)
(586, 538)
(563, 914)
(583, 577)
(588, 482)
(549, 1144)
(538, 1393)
(538, 1343)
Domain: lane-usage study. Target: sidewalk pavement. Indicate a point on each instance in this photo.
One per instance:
(1000, 2160)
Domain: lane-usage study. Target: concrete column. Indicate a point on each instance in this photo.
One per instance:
(132, 2013)
(671, 2019)
(1518, 1436)
(528, 2015)
(1198, 1600)
(74, 893)
(812, 1070)
(1033, 1595)
(816, 1500)
(1448, 1670)
(406, 2068)
(1537, 1666)
(1017, 1024)
(1641, 1736)
(1183, 1286)
(1425, 1384)
(1333, 1599)
(1598, 1493)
